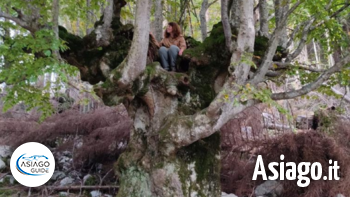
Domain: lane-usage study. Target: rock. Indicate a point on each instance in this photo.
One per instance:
(79, 143)
(339, 195)
(66, 181)
(95, 193)
(5, 151)
(63, 194)
(223, 194)
(57, 175)
(99, 167)
(74, 174)
(67, 154)
(303, 122)
(269, 189)
(2, 165)
(64, 163)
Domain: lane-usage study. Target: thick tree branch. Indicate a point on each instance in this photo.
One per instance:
(314, 85)
(186, 130)
(135, 63)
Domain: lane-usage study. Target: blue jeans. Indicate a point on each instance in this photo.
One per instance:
(168, 57)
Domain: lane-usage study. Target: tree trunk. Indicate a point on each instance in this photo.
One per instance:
(226, 24)
(202, 16)
(190, 22)
(245, 43)
(55, 16)
(158, 21)
(281, 7)
(149, 169)
(235, 14)
(264, 14)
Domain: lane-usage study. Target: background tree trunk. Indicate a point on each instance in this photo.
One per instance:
(55, 16)
(226, 24)
(282, 7)
(202, 16)
(158, 21)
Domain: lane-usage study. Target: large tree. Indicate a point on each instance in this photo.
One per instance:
(174, 148)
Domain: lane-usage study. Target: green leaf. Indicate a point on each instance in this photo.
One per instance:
(47, 53)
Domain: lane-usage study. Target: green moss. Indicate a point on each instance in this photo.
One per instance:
(145, 88)
(6, 192)
(216, 40)
(202, 79)
(212, 57)
(91, 181)
(116, 75)
(116, 23)
(184, 175)
(207, 166)
(134, 183)
(164, 131)
(151, 68)
(191, 42)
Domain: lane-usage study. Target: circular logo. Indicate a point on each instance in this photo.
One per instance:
(32, 164)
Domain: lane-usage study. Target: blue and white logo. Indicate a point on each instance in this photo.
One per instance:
(36, 165)
(32, 164)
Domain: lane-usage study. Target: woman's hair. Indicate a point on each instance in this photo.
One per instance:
(176, 30)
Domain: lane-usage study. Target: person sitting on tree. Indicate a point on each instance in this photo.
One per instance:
(172, 45)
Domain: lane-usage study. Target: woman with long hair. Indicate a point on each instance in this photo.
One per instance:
(172, 45)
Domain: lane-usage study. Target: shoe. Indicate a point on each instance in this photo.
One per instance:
(173, 69)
